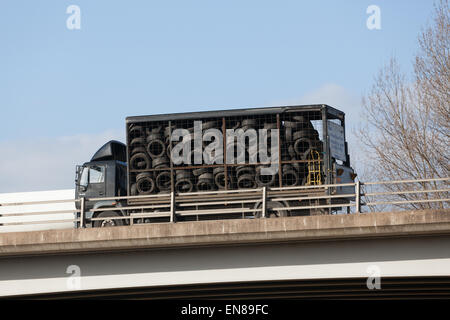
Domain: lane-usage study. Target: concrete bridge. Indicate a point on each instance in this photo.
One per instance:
(312, 256)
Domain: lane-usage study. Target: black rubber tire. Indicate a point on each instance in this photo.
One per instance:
(290, 178)
(301, 146)
(246, 181)
(264, 180)
(205, 182)
(163, 181)
(112, 223)
(200, 171)
(138, 142)
(184, 185)
(218, 169)
(137, 150)
(143, 175)
(219, 180)
(241, 170)
(156, 148)
(153, 136)
(304, 122)
(160, 162)
(183, 174)
(140, 161)
(301, 134)
(272, 213)
(156, 129)
(145, 183)
(292, 124)
(206, 176)
(136, 131)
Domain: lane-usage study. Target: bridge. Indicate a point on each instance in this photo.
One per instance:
(384, 255)
(311, 256)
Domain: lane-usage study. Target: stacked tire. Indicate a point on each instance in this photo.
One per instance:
(149, 154)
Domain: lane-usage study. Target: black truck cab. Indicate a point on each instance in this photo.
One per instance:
(102, 177)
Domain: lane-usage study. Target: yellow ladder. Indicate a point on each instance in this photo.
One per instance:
(314, 169)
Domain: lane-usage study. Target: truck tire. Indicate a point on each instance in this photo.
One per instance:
(163, 181)
(137, 142)
(301, 134)
(145, 183)
(241, 170)
(140, 161)
(108, 223)
(155, 146)
(246, 181)
(137, 150)
(184, 185)
(292, 124)
(205, 182)
(264, 180)
(289, 176)
(160, 162)
(301, 146)
(270, 205)
(136, 131)
(200, 171)
(219, 179)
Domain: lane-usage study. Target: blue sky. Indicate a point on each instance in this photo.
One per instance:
(147, 57)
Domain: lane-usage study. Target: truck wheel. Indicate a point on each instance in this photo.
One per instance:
(270, 212)
(108, 222)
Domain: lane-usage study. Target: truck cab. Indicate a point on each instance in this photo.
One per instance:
(105, 176)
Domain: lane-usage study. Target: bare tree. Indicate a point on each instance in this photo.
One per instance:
(406, 131)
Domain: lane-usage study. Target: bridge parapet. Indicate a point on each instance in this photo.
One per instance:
(227, 232)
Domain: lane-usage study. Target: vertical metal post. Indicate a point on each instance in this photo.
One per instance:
(357, 196)
(225, 167)
(280, 175)
(264, 202)
(172, 207)
(82, 212)
(172, 179)
(326, 156)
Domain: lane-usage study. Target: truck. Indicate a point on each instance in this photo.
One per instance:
(238, 163)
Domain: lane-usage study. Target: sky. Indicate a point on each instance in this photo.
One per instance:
(64, 92)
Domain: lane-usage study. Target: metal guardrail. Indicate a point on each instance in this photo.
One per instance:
(248, 203)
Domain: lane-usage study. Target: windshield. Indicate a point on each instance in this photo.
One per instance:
(95, 174)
